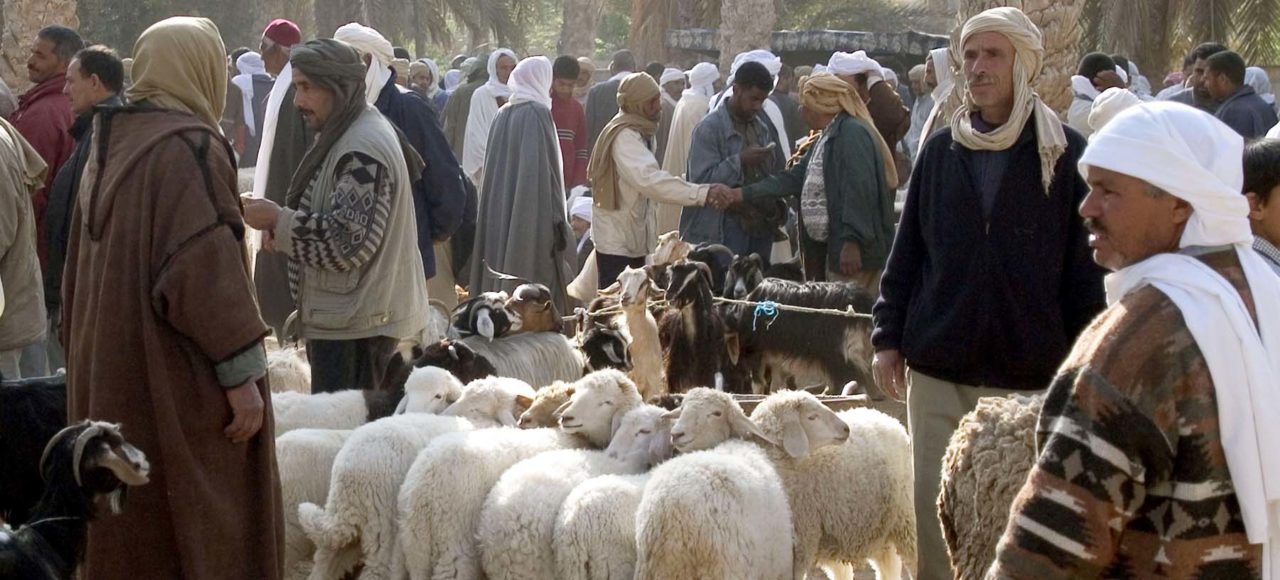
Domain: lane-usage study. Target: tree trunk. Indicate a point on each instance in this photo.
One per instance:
(578, 29)
(330, 14)
(1059, 21)
(744, 25)
(22, 20)
(650, 20)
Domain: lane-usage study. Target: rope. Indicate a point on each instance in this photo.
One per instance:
(768, 309)
(847, 312)
(613, 309)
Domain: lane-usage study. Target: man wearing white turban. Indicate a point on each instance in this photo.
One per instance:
(484, 108)
(672, 83)
(1158, 437)
(772, 113)
(989, 280)
(944, 105)
(891, 118)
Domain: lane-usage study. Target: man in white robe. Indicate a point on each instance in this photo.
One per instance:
(484, 108)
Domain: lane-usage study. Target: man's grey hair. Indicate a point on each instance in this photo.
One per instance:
(66, 42)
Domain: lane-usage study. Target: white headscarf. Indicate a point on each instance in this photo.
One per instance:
(249, 64)
(434, 87)
(581, 208)
(941, 58)
(1123, 74)
(1051, 139)
(498, 89)
(1084, 87)
(702, 80)
(773, 64)
(369, 41)
(1139, 85)
(854, 63)
(452, 79)
(531, 81)
(669, 75)
(1110, 103)
(1261, 83)
(1196, 158)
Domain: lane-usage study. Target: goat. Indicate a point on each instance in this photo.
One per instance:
(718, 259)
(804, 347)
(749, 271)
(645, 348)
(32, 411)
(694, 332)
(533, 306)
(485, 315)
(80, 464)
(604, 346)
(449, 354)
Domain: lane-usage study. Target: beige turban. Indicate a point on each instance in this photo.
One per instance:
(180, 63)
(825, 93)
(636, 90)
(1028, 58)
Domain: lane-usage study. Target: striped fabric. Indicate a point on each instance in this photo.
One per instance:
(1131, 481)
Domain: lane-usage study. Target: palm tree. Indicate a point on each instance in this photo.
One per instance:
(744, 25)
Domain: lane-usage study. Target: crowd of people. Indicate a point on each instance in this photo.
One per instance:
(1126, 261)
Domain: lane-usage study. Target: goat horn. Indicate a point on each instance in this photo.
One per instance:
(53, 441)
(94, 430)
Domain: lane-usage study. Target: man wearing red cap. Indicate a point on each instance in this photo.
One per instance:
(285, 138)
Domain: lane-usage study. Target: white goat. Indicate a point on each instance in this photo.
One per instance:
(646, 351)
(371, 467)
(444, 493)
(427, 390)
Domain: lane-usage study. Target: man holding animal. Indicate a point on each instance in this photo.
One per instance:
(989, 280)
(347, 225)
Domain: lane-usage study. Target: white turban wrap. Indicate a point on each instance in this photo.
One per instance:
(1110, 103)
(770, 61)
(773, 64)
(854, 63)
(702, 79)
(1123, 74)
(498, 89)
(434, 87)
(249, 64)
(531, 81)
(820, 68)
(1257, 78)
(371, 42)
(1195, 157)
(1051, 139)
(943, 100)
(671, 75)
(581, 208)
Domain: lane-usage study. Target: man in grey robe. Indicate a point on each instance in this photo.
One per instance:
(602, 101)
(521, 228)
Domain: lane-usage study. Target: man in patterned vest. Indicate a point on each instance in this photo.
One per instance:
(348, 225)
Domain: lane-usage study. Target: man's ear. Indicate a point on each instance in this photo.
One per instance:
(1182, 211)
(1255, 206)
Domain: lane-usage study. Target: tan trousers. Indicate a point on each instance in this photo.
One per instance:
(934, 409)
(441, 286)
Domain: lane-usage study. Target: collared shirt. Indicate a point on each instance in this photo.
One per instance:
(1269, 252)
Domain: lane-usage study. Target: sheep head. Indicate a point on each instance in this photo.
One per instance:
(493, 402)
(99, 460)
(643, 437)
(708, 418)
(600, 400)
(800, 422)
(744, 275)
(429, 390)
(543, 409)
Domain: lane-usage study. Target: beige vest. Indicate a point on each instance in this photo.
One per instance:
(388, 295)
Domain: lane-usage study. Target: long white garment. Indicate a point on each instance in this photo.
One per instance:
(1196, 158)
(249, 64)
(691, 109)
(484, 108)
(274, 100)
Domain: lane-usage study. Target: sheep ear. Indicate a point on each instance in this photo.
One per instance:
(616, 423)
(745, 428)
(795, 441)
(403, 405)
(672, 415)
(660, 448)
(452, 397)
(523, 403)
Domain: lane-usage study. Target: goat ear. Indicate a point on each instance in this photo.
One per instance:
(745, 428)
(795, 441)
(453, 352)
(611, 290)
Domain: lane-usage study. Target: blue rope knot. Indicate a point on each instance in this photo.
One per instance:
(768, 309)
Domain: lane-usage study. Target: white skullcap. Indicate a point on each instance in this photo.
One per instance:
(1110, 103)
(1123, 74)
(1187, 153)
(671, 75)
(853, 63)
(581, 208)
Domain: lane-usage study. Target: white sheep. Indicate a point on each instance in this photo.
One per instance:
(445, 490)
(984, 468)
(518, 519)
(287, 371)
(304, 458)
(822, 456)
(537, 358)
(718, 513)
(544, 410)
(427, 390)
(369, 470)
(595, 530)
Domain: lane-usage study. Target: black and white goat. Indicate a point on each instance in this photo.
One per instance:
(485, 315)
(718, 259)
(449, 354)
(749, 271)
(80, 464)
(697, 353)
(604, 345)
(798, 348)
(32, 411)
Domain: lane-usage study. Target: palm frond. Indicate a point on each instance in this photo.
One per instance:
(1255, 36)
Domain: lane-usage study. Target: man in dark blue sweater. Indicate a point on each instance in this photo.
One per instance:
(1239, 106)
(990, 278)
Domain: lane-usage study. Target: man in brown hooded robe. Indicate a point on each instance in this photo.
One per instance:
(162, 331)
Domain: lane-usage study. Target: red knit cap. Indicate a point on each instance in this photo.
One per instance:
(283, 32)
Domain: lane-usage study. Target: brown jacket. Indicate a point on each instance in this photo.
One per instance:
(21, 172)
(156, 293)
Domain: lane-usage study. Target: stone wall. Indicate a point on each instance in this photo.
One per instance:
(22, 20)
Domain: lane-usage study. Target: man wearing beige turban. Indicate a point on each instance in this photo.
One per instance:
(627, 182)
(990, 280)
(162, 331)
(844, 183)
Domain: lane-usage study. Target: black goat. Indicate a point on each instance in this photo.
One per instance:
(812, 348)
(32, 411)
(80, 464)
(449, 354)
(749, 271)
(717, 257)
(604, 346)
(792, 270)
(693, 334)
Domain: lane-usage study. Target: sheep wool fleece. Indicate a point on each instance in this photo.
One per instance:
(157, 291)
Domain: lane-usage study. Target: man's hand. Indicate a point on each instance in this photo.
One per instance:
(1108, 79)
(752, 156)
(850, 259)
(890, 373)
(722, 196)
(247, 409)
(261, 214)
